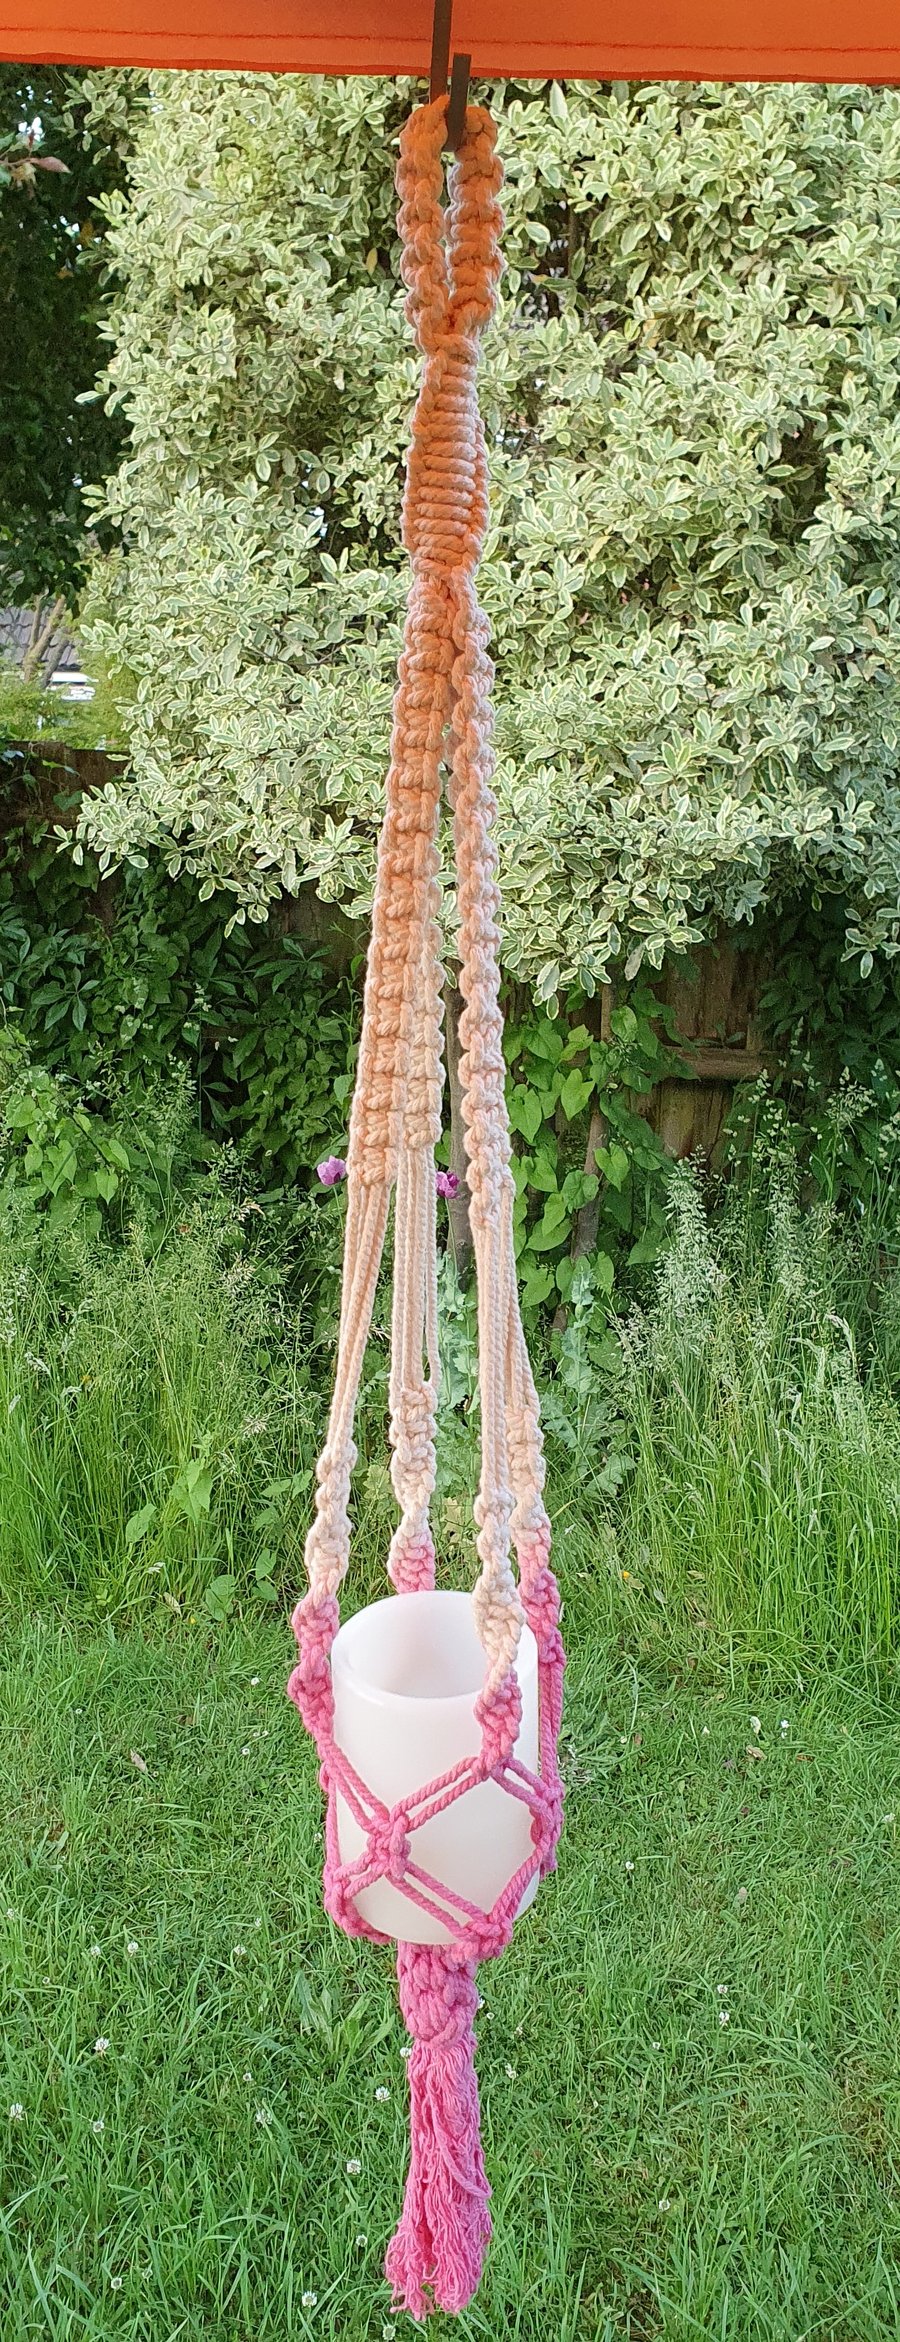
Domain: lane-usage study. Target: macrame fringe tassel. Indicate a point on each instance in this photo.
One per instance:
(435, 2259)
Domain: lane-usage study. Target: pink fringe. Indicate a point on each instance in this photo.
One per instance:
(435, 2259)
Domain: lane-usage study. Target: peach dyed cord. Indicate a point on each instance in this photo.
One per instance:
(442, 714)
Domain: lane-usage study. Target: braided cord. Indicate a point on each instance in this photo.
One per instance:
(442, 708)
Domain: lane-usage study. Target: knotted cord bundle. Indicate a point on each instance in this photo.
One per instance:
(442, 715)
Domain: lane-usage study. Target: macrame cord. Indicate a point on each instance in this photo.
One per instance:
(451, 267)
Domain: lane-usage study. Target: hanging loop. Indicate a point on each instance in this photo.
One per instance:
(459, 75)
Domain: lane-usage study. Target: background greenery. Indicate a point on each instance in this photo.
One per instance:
(53, 446)
(691, 398)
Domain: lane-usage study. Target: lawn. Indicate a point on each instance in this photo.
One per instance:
(687, 2059)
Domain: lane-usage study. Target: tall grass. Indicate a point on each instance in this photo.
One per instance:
(163, 1391)
(762, 1496)
(157, 1420)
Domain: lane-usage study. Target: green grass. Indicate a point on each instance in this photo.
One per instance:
(655, 2171)
(759, 1432)
(735, 1472)
(157, 1422)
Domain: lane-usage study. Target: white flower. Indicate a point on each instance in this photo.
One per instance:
(785, 1727)
(724, 2018)
(245, 1751)
(99, 2126)
(131, 1948)
(382, 2094)
(95, 1952)
(10, 1913)
(629, 1865)
(248, 2077)
(510, 2073)
(17, 2111)
(755, 1725)
(353, 2166)
(257, 1923)
(704, 1733)
(309, 2300)
(239, 1952)
(263, 2117)
(361, 2242)
(115, 2284)
(254, 1679)
(101, 2046)
(656, 2044)
(665, 2203)
(722, 1990)
(387, 2333)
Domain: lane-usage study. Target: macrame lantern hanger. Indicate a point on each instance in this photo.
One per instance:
(436, 1718)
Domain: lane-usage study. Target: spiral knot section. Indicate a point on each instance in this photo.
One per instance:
(445, 506)
(451, 268)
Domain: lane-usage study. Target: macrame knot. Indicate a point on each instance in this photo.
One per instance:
(540, 1601)
(412, 1434)
(389, 1847)
(437, 1995)
(546, 1824)
(339, 1903)
(491, 1934)
(500, 1718)
(498, 1614)
(315, 1623)
(444, 507)
(411, 1563)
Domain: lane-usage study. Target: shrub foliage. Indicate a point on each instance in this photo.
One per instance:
(692, 576)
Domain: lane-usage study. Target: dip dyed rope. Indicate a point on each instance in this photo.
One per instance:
(451, 268)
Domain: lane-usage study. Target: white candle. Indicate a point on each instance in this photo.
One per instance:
(406, 1674)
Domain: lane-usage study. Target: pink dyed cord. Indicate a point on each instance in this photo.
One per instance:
(451, 268)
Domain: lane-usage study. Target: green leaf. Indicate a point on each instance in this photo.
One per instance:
(191, 1492)
(552, 1228)
(137, 1525)
(604, 1271)
(614, 1164)
(543, 1173)
(536, 1287)
(219, 1597)
(575, 1092)
(647, 1248)
(525, 1112)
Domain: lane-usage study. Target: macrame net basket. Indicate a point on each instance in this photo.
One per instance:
(442, 718)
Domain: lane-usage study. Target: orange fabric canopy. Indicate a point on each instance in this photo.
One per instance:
(690, 40)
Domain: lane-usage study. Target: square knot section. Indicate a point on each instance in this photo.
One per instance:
(389, 1846)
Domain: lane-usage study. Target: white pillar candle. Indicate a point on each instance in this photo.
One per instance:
(406, 1674)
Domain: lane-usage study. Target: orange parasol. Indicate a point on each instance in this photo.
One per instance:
(688, 40)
